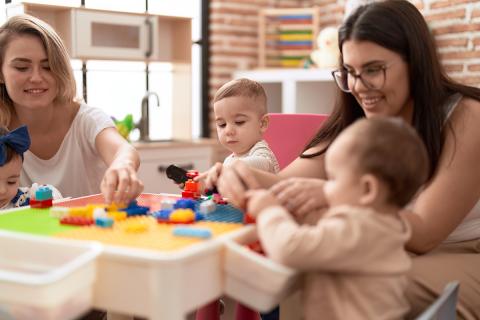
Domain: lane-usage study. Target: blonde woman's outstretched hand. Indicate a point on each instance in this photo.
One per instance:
(120, 183)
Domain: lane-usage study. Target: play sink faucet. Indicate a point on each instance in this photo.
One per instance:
(143, 124)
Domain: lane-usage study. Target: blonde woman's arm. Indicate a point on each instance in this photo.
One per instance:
(120, 182)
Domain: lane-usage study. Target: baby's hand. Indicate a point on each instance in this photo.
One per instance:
(258, 200)
(209, 178)
(300, 195)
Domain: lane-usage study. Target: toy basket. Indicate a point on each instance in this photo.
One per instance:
(45, 279)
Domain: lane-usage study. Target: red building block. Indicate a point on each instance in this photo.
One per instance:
(76, 221)
(40, 203)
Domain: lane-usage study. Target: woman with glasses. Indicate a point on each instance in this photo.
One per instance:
(390, 68)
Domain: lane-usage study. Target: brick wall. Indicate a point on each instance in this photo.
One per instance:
(233, 38)
(233, 29)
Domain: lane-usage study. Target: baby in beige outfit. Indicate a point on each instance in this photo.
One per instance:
(353, 259)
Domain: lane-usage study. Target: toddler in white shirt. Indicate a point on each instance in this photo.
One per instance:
(241, 118)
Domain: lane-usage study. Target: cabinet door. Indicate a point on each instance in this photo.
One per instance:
(110, 35)
(154, 164)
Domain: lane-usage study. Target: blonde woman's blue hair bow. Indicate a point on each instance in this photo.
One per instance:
(18, 140)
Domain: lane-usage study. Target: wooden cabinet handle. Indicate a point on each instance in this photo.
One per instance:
(186, 166)
(149, 25)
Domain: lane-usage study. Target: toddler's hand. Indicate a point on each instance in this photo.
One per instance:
(120, 183)
(209, 178)
(300, 195)
(258, 200)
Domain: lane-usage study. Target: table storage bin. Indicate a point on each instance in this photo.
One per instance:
(45, 278)
(253, 279)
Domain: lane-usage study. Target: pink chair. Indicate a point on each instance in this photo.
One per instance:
(288, 134)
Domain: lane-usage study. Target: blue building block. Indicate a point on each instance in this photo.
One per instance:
(133, 204)
(192, 232)
(104, 222)
(225, 213)
(136, 210)
(199, 216)
(163, 214)
(43, 193)
(185, 204)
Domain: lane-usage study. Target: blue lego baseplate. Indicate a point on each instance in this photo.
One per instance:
(225, 213)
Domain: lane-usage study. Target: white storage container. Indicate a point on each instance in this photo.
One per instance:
(44, 278)
(160, 285)
(253, 279)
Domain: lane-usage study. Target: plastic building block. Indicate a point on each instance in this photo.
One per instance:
(167, 204)
(132, 203)
(163, 214)
(40, 203)
(117, 215)
(177, 174)
(256, 246)
(76, 221)
(192, 232)
(209, 192)
(191, 190)
(99, 213)
(136, 210)
(207, 206)
(226, 213)
(192, 174)
(185, 204)
(192, 186)
(218, 199)
(58, 212)
(188, 195)
(182, 215)
(43, 193)
(199, 216)
(104, 222)
(248, 219)
(135, 226)
(115, 206)
(79, 212)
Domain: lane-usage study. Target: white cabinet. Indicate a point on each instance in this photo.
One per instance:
(295, 90)
(102, 34)
(108, 35)
(157, 156)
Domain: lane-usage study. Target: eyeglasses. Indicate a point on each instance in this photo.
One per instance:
(372, 77)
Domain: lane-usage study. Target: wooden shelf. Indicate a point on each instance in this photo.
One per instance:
(295, 90)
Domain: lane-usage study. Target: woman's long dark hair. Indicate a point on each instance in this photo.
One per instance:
(398, 26)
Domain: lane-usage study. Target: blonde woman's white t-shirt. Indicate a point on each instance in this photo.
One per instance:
(77, 168)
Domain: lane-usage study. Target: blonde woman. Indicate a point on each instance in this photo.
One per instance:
(74, 147)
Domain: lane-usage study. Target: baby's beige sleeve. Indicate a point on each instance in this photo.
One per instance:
(335, 243)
